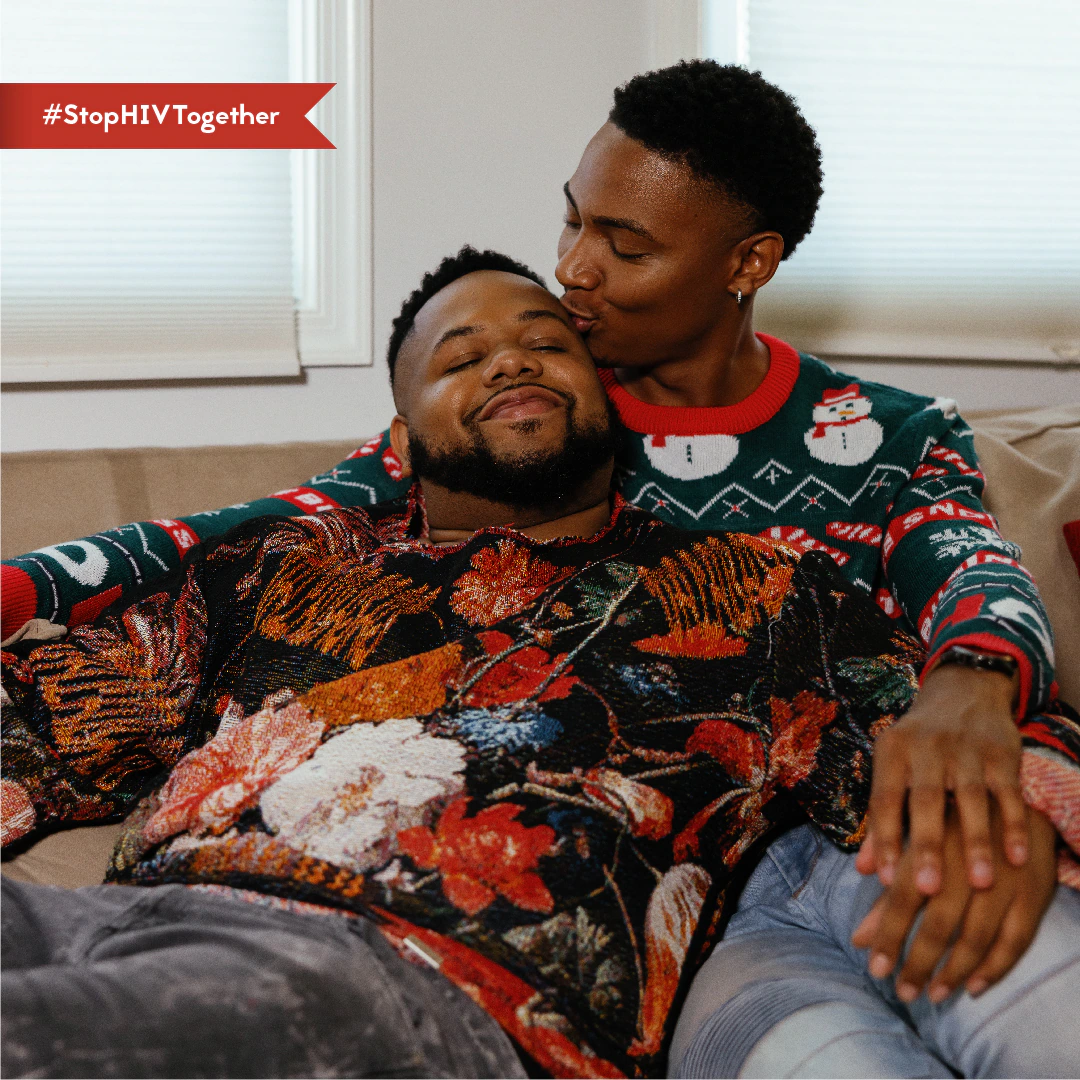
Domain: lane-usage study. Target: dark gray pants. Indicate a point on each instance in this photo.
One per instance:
(167, 981)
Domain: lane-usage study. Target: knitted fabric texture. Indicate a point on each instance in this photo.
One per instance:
(885, 482)
(540, 762)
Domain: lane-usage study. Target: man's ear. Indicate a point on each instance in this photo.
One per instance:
(755, 261)
(399, 440)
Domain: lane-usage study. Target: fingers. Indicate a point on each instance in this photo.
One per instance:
(973, 807)
(943, 917)
(1003, 779)
(888, 795)
(865, 859)
(866, 930)
(1035, 885)
(886, 927)
(980, 936)
(926, 814)
(1016, 934)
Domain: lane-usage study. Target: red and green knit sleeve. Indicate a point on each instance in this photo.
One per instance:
(958, 580)
(72, 583)
(87, 721)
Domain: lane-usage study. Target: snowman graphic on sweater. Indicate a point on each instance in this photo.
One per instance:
(843, 431)
(690, 457)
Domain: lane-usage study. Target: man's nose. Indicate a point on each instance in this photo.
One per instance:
(575, 269)
(512, 362)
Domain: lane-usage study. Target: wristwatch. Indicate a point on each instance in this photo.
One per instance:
(980, 661)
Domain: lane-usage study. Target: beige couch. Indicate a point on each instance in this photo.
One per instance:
(1031, 459)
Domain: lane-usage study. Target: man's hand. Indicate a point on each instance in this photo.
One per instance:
(959, 736)
(995, 925)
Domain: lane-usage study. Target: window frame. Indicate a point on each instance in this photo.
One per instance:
(330, 218)
(330, 41)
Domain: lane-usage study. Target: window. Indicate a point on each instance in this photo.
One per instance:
(145, 264)
(950, 131)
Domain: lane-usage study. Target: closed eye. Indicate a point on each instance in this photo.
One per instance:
(462, 364)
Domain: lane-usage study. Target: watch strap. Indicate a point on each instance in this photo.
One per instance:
(979, 661)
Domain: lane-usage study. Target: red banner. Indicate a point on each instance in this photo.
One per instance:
(307, 499)
(182, 535)
(800, 538)
(160, 116)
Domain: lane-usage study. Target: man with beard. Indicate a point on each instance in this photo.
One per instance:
(511, 727)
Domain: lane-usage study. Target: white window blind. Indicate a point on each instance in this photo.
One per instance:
(137, 264)
(950, 131)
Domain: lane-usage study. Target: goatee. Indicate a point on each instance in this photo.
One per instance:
(531, 480)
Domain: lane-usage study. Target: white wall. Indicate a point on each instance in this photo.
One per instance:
(482, 108)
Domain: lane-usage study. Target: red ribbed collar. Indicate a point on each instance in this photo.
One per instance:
(763, 404)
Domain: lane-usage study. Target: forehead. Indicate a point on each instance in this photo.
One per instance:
(627, 177)
(488, 298)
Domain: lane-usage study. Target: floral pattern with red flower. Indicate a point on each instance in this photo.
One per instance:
(212, 786)
(484, 856)
(517, 676)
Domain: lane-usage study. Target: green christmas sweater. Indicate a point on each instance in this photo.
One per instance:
(885, 482)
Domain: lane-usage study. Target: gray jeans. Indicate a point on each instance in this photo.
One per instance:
(168, 981)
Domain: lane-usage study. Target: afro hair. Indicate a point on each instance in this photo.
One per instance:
(467, 261)
(734, 129)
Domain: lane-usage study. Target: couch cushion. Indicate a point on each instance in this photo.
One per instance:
(1032, 465)
(70, 858)
(55, 495)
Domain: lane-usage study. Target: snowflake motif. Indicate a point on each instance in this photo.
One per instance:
(953, 542)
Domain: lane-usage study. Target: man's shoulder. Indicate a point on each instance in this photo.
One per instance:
(349, 530)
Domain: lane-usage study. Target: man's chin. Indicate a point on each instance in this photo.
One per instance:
(521, 469)
(533, 435)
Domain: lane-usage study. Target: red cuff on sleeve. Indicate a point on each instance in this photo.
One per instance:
(19, 600)
(991, 643)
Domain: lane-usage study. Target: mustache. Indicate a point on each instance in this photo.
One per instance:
(469, 418)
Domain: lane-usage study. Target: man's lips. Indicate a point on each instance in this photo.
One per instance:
(521, 403)
(582, 320)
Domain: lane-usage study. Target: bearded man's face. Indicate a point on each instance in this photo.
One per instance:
(501, 397)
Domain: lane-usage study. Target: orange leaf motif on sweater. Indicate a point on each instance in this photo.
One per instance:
(670, 921)
(484, 856)
(739, 751)
(648, 811)
(797, 735)
(503, 581)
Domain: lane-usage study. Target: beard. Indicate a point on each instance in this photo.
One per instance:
(531, 480)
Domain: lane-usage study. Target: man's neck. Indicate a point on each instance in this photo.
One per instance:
(454, 516)
(725, 367)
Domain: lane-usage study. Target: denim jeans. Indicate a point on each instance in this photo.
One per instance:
(785, 994)
(169, 981)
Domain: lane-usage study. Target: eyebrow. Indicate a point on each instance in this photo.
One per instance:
(629, 224)
(523, 317)
(541, 313)
(456, 332)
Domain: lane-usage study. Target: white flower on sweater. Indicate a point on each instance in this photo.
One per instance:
(348, 802)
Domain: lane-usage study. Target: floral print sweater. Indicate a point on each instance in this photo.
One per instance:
(540, 765)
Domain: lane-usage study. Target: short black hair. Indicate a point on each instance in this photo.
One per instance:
(467, 261)
(735, 129)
